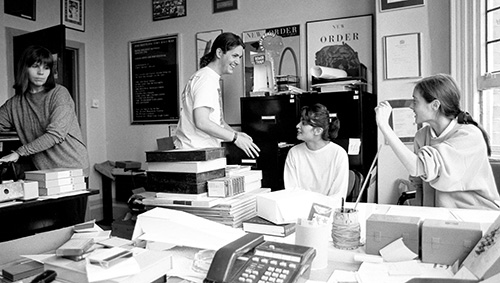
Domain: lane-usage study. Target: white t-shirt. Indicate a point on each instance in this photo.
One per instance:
(324, 171)
(202, 90)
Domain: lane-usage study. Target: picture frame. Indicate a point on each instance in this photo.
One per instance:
(402, 120)
(402, 56)
(25, 9)
(73, 14)
(204, 42)
(168, 9)
(224, 5)
(387, 5)
(342, 43)
(154, 80)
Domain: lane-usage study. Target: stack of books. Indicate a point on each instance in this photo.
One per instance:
(252, 179)
(226, 186)
(57, 181)
(230, 211)
(184, 171)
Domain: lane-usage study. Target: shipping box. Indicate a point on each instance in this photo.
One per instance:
(445, 242)
(383, 229)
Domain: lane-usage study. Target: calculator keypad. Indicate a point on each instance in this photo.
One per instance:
(263, 270)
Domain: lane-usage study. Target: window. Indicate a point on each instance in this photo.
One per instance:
(488, 98)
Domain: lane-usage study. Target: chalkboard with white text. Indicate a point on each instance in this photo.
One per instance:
(154, 79)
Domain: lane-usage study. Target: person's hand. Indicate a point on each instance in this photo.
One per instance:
(383, 112)
(12, 157)
(245, 143)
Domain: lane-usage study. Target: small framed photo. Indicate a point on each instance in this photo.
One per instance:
(225, 5)
(168, 9)
(402, 56)
(386, 5)
(73, 14)
(21, 8)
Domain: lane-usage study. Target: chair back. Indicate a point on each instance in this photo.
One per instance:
(354, 185)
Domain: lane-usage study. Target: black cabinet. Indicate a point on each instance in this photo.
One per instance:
(271, 120)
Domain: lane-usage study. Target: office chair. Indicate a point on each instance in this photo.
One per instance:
(354, 186)
(407, 192)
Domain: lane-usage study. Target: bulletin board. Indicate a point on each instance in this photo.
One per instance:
(154, 80)
(402, 119)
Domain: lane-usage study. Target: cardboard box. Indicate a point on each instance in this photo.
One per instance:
(286, 206)
(383, 229)
(484, 259)
(11, 191)
(445, 242)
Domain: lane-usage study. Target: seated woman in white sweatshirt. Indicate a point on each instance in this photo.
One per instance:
(449, 165)
(317, 164)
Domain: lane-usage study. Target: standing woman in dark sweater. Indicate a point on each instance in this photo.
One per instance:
(43, 115)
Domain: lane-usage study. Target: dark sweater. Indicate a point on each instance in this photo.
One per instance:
(48, 129)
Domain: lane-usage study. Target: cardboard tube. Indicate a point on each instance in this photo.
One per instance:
(327, 73)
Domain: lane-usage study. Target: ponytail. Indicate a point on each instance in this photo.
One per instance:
(465, 118)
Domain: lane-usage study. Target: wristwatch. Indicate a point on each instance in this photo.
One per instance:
(235, 137)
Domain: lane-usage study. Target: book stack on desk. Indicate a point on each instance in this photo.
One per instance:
(230, 211)
(184, 171)
(58, 180)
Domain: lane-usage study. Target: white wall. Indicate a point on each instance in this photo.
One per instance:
(47, 15)
(433, 22)
(132, 20)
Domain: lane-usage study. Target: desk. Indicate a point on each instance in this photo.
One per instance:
(40, 215)
(344, 259)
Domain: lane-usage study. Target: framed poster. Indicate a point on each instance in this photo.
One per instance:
(20, 8)
(154, 80)
(73, 14)
(225, 5)
(402, 56)
(204, 42)
(386, 5)
(343, 43)
(167, 9)
(280, 57)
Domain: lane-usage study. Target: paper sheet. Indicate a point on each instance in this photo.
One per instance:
(397, 251)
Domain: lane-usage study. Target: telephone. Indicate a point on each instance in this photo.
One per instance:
(251, 259)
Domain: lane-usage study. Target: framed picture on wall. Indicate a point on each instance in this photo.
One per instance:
(167, 9)
(402, 56)
(386, 5)
(20, 8)
(73, 14)
(344, 44)
(204, 42)
(225, 5)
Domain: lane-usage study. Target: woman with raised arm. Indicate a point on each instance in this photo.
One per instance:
(449, 165)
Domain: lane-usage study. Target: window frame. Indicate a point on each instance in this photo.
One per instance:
(468, 60)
